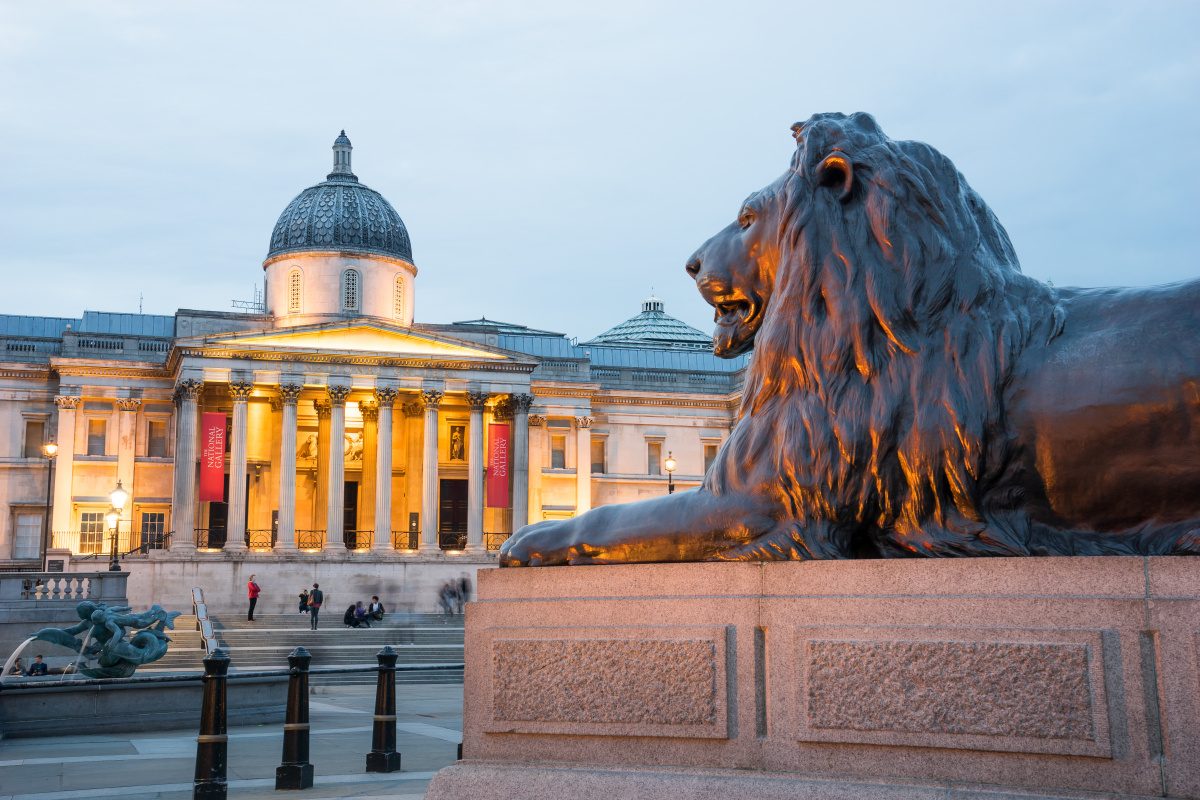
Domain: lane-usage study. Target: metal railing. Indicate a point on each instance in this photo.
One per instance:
(310, 539)
(260, 539)
(358, 540)
(493, 541)
(210, 538)
(406, 540)
(452, 540)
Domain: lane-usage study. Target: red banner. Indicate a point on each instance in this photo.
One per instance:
(212, 456)
(497, 469)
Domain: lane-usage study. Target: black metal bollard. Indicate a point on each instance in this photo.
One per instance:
(383, 756)
(295, 772)
(212, 745)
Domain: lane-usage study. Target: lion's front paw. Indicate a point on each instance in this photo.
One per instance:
(541, 544)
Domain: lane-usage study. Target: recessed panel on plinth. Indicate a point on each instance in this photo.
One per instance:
(648, 681)
(1003, 690)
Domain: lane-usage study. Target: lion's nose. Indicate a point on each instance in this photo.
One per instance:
(693, 267)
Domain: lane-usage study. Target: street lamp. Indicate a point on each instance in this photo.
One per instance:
(49, 451)
(670, 464)
(119, 498)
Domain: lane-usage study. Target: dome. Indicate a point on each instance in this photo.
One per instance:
(341, 214)
(654, 328)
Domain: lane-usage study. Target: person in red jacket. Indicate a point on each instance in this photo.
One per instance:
(252, 590)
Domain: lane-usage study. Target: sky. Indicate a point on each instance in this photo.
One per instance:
(555, 162)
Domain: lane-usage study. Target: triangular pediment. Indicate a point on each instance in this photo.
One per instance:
(357, 338)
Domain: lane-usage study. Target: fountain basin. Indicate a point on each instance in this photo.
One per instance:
(165, 702)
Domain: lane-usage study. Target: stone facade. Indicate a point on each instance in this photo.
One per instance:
(357, 432)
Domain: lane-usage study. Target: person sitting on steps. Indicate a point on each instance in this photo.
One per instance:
(376, 610)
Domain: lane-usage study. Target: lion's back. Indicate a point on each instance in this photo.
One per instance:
(1108, 413)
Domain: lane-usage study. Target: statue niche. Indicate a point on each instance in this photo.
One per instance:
(911, 392)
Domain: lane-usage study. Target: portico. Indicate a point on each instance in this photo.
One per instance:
(324, 462)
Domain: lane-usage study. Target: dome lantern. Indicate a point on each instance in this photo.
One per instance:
(341, 160)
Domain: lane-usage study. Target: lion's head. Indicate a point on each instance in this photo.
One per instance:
(885, 304)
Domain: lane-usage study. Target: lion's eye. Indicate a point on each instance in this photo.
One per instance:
(745, 218)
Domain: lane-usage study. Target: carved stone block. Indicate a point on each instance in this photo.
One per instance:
(986, 694)
(611, 684)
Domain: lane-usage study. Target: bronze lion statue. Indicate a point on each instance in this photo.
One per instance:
(911, 393)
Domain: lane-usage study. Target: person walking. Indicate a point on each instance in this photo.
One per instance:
(252, 590)
(303, 607)
(463, 593)
(315, 599)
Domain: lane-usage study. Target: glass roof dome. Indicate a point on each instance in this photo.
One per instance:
(654, 328)
(341, 214)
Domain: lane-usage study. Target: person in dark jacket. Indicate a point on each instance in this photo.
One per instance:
(303, 607)
(38, 667)
(376, 610)
(349, 619)
(315, 600)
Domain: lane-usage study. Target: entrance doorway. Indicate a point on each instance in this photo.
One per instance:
(350, 515)
(452, 514)
(218, 518)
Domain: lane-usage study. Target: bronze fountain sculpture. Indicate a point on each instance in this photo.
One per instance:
(911, 393)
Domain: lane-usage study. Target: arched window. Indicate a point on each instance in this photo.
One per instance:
(398, 298)
(295, 291)
(350, 290)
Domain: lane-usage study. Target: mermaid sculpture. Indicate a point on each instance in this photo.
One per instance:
(107, 649)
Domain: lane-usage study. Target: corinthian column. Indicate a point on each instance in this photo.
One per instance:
(289, 395)
(385, 398)
(477, 401)
(429, 473)
(370, 457)
(520, 462)
(413, 432)
(335, 517)
(183, 501)
(235, 539)
(64, 466)
(320, 500)
(583, 465)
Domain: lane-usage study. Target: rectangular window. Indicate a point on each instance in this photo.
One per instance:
(91, 532)
(654, 458)
(154, 526)
(156, 438)
(598, 465)
(97, 433)
(35, 435)
(27, 536)
(558, 451)
(710, 455)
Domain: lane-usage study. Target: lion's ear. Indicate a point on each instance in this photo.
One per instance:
(836, 171)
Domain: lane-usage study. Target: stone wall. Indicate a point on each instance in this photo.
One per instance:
(1058, 674)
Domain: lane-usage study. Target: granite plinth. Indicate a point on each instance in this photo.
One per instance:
(1035, 677)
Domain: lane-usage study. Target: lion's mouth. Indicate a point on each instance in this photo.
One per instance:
(737, 317)
(733, 311)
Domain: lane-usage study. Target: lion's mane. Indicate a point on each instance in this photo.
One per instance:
(873, 403)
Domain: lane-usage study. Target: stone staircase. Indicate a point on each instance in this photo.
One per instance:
(266, 643)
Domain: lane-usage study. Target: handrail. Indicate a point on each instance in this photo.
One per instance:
(197, 676)
(203, 623)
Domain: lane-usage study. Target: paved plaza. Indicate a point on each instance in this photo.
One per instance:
(96, 765)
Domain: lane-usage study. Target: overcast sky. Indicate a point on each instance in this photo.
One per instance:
(555, 161)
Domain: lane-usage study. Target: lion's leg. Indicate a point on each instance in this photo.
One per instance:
(687, 526)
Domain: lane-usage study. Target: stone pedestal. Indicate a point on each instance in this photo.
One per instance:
(919, 678)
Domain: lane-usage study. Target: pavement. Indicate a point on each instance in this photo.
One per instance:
(162, 764)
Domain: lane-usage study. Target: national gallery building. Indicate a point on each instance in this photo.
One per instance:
(325, 431)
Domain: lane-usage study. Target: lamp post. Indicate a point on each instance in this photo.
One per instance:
(49, 451)
(119, 498)
(670, 465)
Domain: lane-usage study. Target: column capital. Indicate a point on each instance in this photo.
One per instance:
(67, 401)
(503, 410)
(413, 409)
(369, 410)
(323, 408)
(129, 403)
(337, 394)
(385, 396)
(521, 402)
(189, 389)
(536, 420)
(583, 422)
(477, 400)
(289, 393)
(432, 398)
(240, 391)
